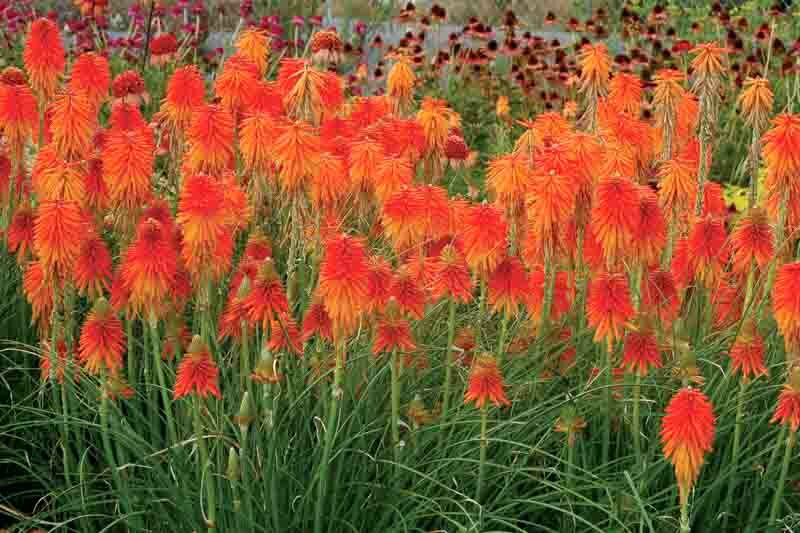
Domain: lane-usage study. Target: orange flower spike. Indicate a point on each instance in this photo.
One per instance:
(20, 233)
(651, 236)
(149, 269)
(755, 103)
(256, 136)
(125, 117)
(678, 184)
(330, 184)
(74, 125)
(317, 322)
(714, 200)
(752, 241)
(44, 57)
(93, 269)
(436, 118)
(19, 117)
(625, 92)
(102, 340)
(609, 308)
(267, 298)
(401, 220)
(551, 127)
(451, 277)
(562, 294)
(362, 163)
(595, 67)
(486, 383)
(435, 212)
(641, 352)
(58, 232)
(507, 179)
(550, 202)
(379, 281)
(91, 77)
(508, 286)
(400, 84)
(197, 372)
(786, 303)
(211, 138)
(39, 293)
(616, 216)
(707, 250)
(408, 295)
(747, 353)
(660, 296)
(392, 332)
(484, 237)
(204, 220)
(296, 152)
(237, 81)
(284, 335)
(63, 358)
(254, 44)
(342, 282)
(687, 434)
(391, 175)
(128, 158)
(184, 94)
(708, 59)
(308, 94)
(781, 152)
(787, 411)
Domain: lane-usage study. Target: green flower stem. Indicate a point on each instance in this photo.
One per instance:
(777, 500)
(448, 358)
(105, 430)
(737, 437)
(330, 434)
(205, 467)
(637, 438)
(395, 372)
(162, 384)
(483, 446)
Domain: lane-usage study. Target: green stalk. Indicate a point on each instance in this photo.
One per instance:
(549, 286)
(244, 358)
(131, 356)
(448, 361)
(637, 438)
(269, 394)
(608, 399)
(205, 466)
(737, 436)
(773, 457)
(105, 430)
(483, 446)
(780, 229)
(330, 434)
(162, 384)
(778, 499)
(395, 406)
(685, 527)
(501, 342)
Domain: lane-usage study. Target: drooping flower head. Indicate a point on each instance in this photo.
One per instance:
(392, 332)
(20, 233)
(44, 57)
(342, 282)
(625, 92)
(197, 372)
(317, 322)
(781, 153)
(330, 185)
(641, 351)
(407, 294)
(102, 341)
(651, 235)
(706, 249)
(38, 291)
(486, 383)
(687, 434)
